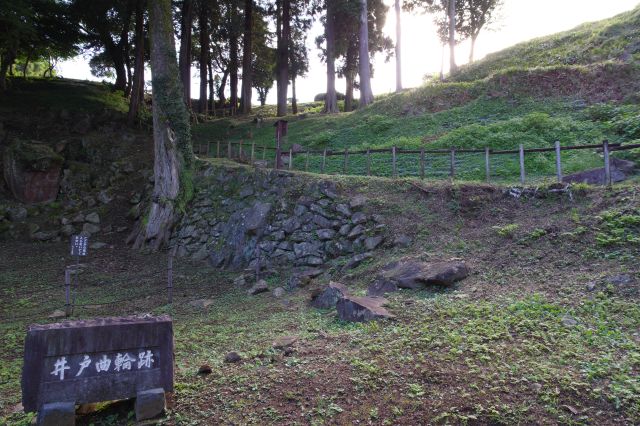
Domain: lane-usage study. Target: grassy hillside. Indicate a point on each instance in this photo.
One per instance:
(577, 87)
(613, 39)
(34, 94)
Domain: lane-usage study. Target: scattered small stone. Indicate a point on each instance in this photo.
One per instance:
(569, 321)
(325, 234)
(402, 240)
(97, 245)
(79, 218)
(240, 281)
(201, 303)
(278, 292)
(92, 218)
(381, 287)
(284, 342)
(356, 260)
(104, 197)
(204, 370)
(372, 242)
(57, 314)
(232, 357)
(328, 298)
(591, 286)
(90, 229)
(362, 309)
(357, 201)
(358, 218)
(17, 214)
(356, 232)
(343, 209)
(259, 287)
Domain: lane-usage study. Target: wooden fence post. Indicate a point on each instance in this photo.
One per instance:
(240, 150)
(345, 166)
(607, 164)
(208, 149)
(393, 159)
(558, 162)
(487, 168)
(290, 158)
(422, 163)
(368, 163)
(522, 176)
(253, 152)
(452, 166)
(306, 162)
(264, 152)
(218, 149)
(229, 150)
(324, 159)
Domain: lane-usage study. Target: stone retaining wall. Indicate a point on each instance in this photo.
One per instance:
(242, 215)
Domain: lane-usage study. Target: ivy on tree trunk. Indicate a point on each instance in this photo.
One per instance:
(173, 154)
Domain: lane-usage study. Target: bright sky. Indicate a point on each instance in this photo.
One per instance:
(520, 20)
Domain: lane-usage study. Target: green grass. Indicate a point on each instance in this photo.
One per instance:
(568, 87)
(609, 39)
(37, 94)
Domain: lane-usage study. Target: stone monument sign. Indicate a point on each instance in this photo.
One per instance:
(85, 361)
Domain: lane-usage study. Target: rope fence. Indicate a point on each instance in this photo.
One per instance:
(490, 165)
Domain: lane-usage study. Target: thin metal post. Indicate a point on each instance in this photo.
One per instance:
(264, 152)
(393, 159)
(306, 162)
(422, 163)
(487, 167)
(240, 150)
(558, 162)
(345, 166)
(324, 160)
(67, 292)
(607, 163)
(229, 149)
(290, 158)
(368, 163)
(253, 151)
(452, 167)
(522, 176)
(217, 149)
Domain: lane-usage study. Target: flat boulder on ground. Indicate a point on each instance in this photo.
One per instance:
(328, 298)
(259, 287)
(413, 274)
(362, 309)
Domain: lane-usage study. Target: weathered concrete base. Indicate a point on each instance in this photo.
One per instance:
(57, 414)
(149, 404)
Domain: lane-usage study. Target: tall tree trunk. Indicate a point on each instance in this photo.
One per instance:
(138, 76)
(442, 63)
(247, 72)
(186, 24)
(398, 46)
(121, 72)
(331, 99)
(474, 37)
(171, 134)
(212, 100)
(294, 101)
(7, 62)
(233, 74)
(223, 85)
(351, 70)
(127, 64)
(283, 58)
(366, 95)
(204, 56)
(452, 37)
